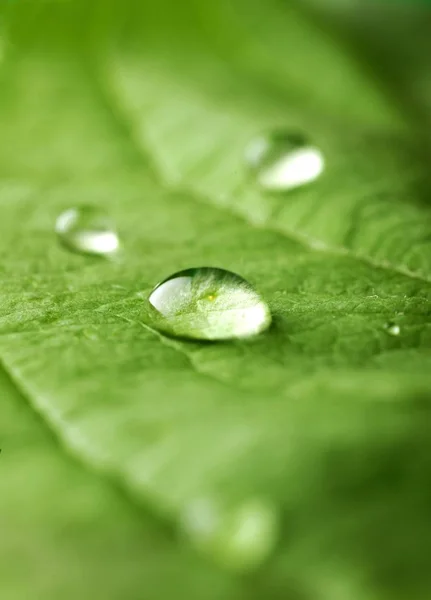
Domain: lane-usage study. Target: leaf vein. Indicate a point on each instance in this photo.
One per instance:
(119, 116)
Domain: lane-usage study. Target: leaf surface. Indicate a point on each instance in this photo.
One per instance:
(145, 110)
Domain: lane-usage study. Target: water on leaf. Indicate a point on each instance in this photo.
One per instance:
(239, 537)
(87, 229)
(282, 161)
(393, 329)
(208, 304)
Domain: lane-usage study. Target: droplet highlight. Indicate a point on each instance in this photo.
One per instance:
(207, 303)
(282, 161)
(392, 329)
(239, 537)
(88, 230)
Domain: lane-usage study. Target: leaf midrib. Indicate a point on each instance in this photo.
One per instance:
(54, 426)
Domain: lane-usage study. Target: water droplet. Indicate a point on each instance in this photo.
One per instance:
(87, 229)
(282, 161)
(208, 304)
(393, 328)
(89, 334)
(239, 537)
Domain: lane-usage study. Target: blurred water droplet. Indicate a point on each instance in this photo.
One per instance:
(208, 304)
(87, 229)
(90, 334)
(282, 161)
(239, 537)
(393, 328)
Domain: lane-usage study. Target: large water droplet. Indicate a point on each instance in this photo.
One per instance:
(238, 537)
(393, 328)
(87, 229)
(208, 304)
(281, 160)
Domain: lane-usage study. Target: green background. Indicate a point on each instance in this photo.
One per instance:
(108, 430)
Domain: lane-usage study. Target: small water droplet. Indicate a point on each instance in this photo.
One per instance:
(282, 161)
(392, 328)
(238, 537)
(208, 304)
(87, 229)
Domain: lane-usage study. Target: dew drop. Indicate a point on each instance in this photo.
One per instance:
(208, 304)
(87, 229)
(282, 161)
(393, 329)
(239, 538)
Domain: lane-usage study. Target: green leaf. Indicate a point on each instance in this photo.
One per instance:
(110, 432)
(68, 534)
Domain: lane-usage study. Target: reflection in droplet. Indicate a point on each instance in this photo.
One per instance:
(208, 304)
(281, 160)
(393, 328)
(239, 537)
(87, 229)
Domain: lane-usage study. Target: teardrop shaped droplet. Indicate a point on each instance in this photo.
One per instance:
(87, 229)
(208, 304)
(393, 328)
(282, 161)
(239, 538)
